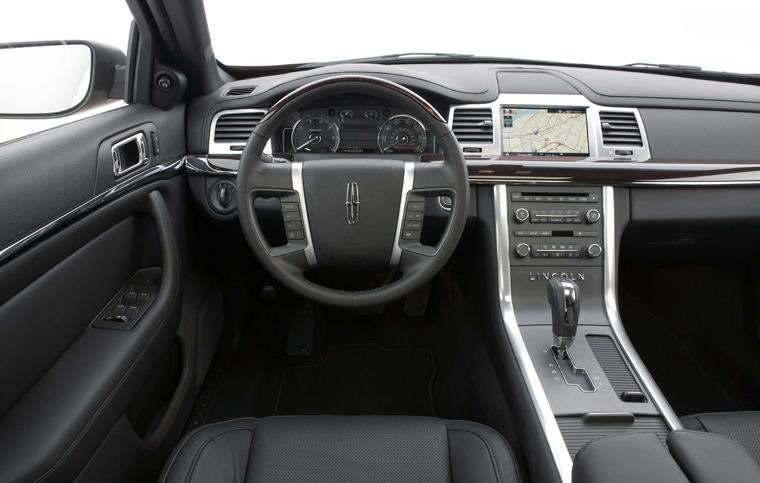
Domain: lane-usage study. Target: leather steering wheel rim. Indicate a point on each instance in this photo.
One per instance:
(257, 175)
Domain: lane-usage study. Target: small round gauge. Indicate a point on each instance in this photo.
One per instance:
(316, 134)
(402, 133)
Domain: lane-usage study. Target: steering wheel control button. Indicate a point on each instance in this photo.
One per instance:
(522, 250)
(295, 235)
(289, 207)
(410, 235)
(522, 215)
(594, 250)
(414, 215)
(415, 206)
(412, 225)
(592, 216)
(291, 216)
(293, 226)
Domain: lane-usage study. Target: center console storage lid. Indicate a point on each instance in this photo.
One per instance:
(630, 458)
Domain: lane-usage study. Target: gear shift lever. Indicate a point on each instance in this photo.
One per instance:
(565, 301)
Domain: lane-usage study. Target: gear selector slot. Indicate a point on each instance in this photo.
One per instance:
(573, 376)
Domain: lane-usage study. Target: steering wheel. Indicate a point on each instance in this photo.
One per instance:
(352, 212)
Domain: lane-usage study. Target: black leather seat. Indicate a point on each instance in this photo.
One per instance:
(342, 449)
(742, 426)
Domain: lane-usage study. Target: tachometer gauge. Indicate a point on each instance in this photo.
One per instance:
(316, 134)
(402, 133)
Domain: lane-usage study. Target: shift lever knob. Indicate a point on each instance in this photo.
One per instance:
(565, 301)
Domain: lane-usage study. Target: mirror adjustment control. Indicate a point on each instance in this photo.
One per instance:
(522, 250)
(592, 216)
(594, 250)
(522, 215)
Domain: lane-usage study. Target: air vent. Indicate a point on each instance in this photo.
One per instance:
(473, 125)
(620, 129)
(236, 127)
(240, 91)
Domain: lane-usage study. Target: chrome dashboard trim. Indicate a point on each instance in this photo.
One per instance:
(296, 174)
(597, 149)
(610, 300)
(226, 148)
(200, 165)
(138, 180)
(544, 411)
(406, 188)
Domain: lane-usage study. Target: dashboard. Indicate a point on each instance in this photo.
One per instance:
(512, 122)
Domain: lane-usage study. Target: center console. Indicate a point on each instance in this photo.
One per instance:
(556, 251)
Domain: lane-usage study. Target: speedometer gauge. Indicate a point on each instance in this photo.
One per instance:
(316, 134)
(402, 133)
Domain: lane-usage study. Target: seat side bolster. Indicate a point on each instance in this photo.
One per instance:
(217, 452)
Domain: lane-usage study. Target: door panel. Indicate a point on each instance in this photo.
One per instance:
(72, 235)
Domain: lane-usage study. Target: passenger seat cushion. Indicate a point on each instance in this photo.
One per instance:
(706, 457)
(742, 426)
(342, 449)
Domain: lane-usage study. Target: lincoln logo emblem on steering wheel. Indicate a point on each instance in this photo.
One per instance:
(352, 202)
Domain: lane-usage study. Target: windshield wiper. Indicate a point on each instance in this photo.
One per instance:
(665, 66)
(389, 57)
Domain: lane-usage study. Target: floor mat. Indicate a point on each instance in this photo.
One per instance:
(361, 379)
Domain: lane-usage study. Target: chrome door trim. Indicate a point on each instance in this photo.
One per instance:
(156, 173)
(544, 411)
(611, 305)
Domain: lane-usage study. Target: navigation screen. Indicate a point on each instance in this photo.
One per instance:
(544, 132)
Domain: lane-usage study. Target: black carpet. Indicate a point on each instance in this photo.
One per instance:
(360, 379)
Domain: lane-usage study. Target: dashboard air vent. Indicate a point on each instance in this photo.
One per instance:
(620, 129)
(236, 127)
(473, 125)
(240, 91)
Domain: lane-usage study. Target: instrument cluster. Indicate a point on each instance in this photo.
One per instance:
(356, 129)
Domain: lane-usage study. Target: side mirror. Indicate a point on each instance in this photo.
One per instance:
(55, 79)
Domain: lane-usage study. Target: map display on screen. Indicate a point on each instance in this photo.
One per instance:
(544, 132)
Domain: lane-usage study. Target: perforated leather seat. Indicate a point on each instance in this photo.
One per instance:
(342, 449)
(741, 426)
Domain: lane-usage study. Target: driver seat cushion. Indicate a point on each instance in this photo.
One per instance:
(342, 449)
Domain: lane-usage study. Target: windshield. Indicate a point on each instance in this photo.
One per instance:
(718, 36)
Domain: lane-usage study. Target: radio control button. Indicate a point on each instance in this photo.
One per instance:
(522, 250)
(521, 215)
(594, 250)
(592, 216)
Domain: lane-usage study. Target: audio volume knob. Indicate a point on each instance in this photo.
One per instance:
(522, 215)
(594, 250)
(522, 250)
(592, 216)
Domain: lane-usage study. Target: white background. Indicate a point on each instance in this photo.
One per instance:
(717, 35)
(720, 35)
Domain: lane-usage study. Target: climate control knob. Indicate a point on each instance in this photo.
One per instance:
(522, 215)
(594, 250)
(592, 216)
(522, 250)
